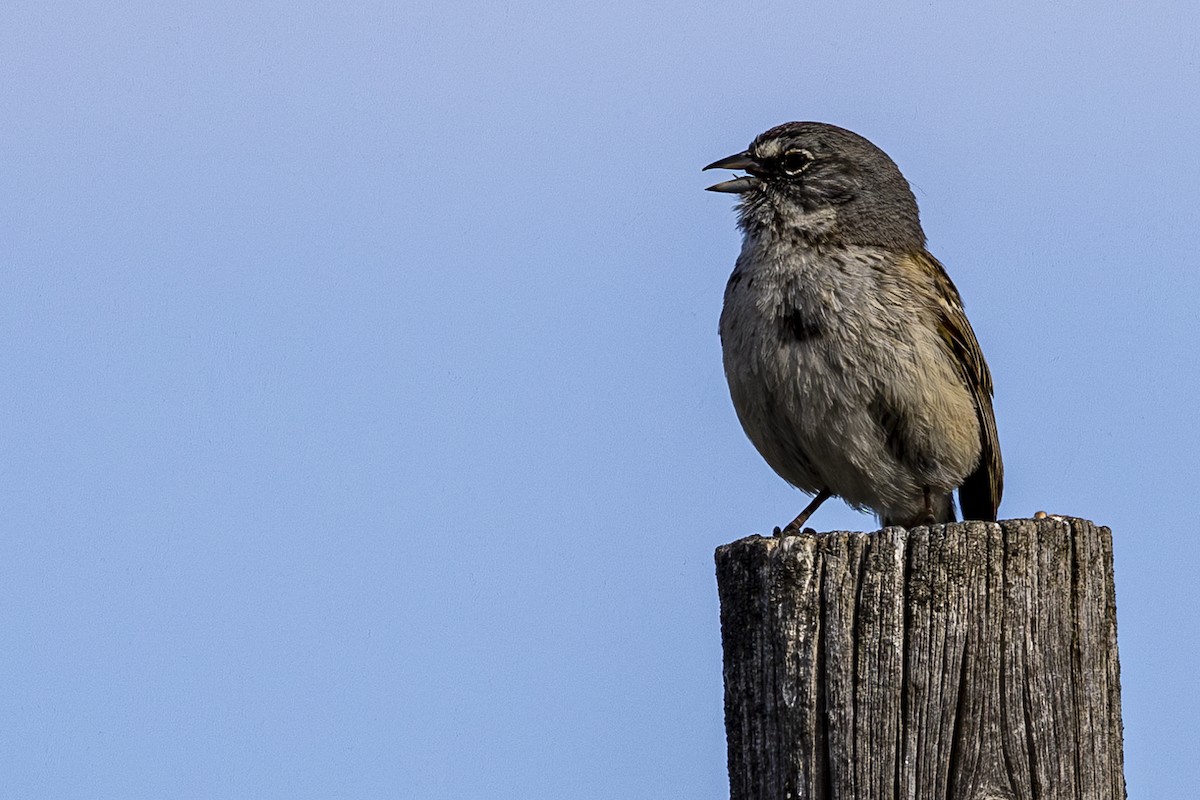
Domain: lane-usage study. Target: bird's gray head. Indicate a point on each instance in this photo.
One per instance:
(824, 183)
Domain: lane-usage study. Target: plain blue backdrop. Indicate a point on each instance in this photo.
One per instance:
(364, 430)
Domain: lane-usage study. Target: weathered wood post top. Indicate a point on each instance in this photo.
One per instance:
(969, 661)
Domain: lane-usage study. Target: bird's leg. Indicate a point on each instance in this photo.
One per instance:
(797, 525)
(926, 515)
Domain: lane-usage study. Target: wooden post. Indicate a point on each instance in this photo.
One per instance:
(973, 661)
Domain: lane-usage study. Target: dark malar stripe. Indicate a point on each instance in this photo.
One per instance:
(799, 327)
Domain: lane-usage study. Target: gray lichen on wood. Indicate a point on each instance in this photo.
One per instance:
(975, 660)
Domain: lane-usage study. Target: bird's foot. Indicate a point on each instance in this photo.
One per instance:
(793, 530)
(923, 518)
(796, 526)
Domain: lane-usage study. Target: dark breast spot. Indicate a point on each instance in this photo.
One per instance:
(798, 327)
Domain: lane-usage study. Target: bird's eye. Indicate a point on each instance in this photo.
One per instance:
(795, 161)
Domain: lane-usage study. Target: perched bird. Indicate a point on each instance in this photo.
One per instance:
(850, 360)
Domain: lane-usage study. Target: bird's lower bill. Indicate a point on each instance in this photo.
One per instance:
(741, 185)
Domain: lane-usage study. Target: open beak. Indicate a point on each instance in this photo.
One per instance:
(740, 185)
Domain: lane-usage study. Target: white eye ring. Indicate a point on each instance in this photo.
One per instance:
(795, 161)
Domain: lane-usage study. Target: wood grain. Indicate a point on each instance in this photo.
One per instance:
(973, 661)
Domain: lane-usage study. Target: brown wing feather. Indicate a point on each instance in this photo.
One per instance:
(980, 493)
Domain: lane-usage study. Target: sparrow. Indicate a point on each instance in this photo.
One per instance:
(850, 361)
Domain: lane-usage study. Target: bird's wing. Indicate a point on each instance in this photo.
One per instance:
(980, 493)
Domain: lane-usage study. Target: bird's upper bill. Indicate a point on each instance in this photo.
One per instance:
(740, 185)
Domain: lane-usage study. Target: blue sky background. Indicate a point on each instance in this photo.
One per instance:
(364, 427)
